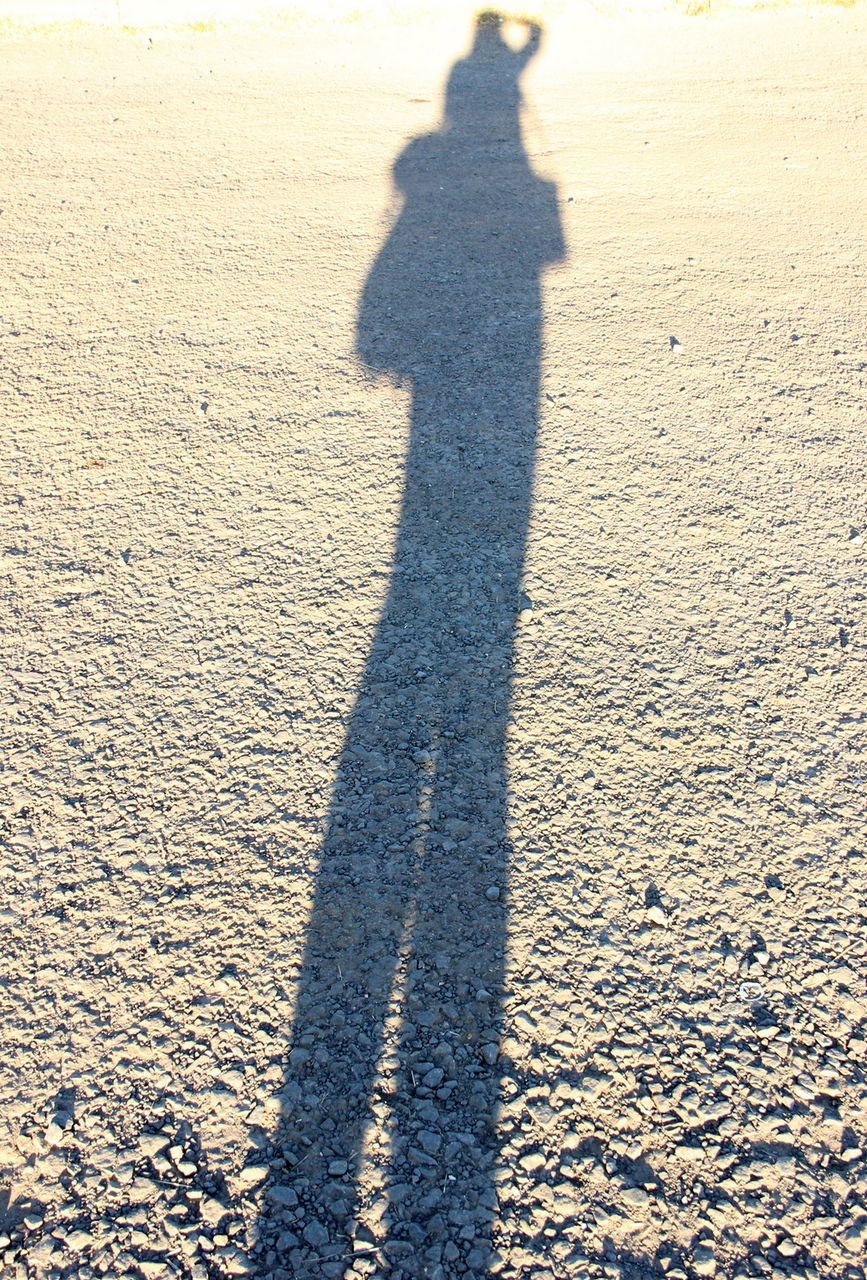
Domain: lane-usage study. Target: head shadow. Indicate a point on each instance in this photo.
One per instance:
(388, 1140)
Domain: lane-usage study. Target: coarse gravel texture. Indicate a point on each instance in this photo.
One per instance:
(432, 779)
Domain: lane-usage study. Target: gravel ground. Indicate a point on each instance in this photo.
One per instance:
(432, 783)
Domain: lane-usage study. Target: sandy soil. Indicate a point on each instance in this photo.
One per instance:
(432, 775)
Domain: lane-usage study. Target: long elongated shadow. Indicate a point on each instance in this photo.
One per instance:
(388, 1140)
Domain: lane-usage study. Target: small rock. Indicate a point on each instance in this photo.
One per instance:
(252, 1174)
(285, 1196)
(703, 1261)
(489, 1053)
(315, 1234)
(492, 893)
(235, 1262)
(53, 1135)
(787, 1248)
(429, 1141)
(151, 1144)
(636, 1196)
(212, 1211)
(532, 1161)
(337, 1168)
(78, 1240)
(855, 1237)
(656, 915)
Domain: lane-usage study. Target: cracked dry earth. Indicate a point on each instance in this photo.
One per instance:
(433, 759)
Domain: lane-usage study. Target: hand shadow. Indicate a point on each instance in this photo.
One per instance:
(388, 1141)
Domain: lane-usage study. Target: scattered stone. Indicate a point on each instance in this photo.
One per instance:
(77, 1240)
(285, 1196)
(212, 1210)
(532, 1161)
(636, 1196)
(53, 1134)
(429, 1141)
(854, 1238)
(151, 1144)
(703, 1261)
(315, 1234)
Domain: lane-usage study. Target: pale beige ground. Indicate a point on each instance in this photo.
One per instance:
(200, 490)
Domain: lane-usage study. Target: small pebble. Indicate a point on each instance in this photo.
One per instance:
(636, 1196)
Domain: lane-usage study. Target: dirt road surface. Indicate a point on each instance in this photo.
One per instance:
(432, 778)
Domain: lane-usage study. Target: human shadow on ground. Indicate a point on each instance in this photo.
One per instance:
(388, 1141)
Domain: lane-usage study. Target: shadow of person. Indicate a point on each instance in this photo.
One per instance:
(388, 1141)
